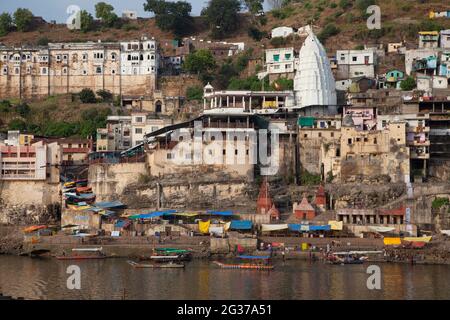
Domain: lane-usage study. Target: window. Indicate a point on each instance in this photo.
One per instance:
(129, 57)
(28, 70)
(138, 130)
(64, 70)
(138, 119)
(44, 70)
(349, 141)
(5, 70)
(374, 140)
(152, 57)
(154, 128)
(320, 134)
(113, 56)
(276, 57)
(58, 58)
(113, 71)
(65, 57)
(169, 156)
(332, 134)
(287, 56)
(305, 136)
(84, 72)
(85, 57)
(16, 70)
(98, 70)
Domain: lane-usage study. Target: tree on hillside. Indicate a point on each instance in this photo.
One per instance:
(105, 12)
(202, 63)
(87, 96)
(23, 18)
(87, 21)
(171, 16)
(5, 23)
(222, 16)
(254, 6)
(408, 84)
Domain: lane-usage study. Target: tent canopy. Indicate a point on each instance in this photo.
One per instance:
(241, 225)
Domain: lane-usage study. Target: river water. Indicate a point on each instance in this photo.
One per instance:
(46, 278)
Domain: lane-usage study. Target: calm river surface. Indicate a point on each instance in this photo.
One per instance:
(108, 279)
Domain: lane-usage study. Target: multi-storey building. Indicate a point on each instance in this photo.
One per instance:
(116, 136)
(355, 63)
(428, 39)
(280, 62)
(126, 68)
(142, 123)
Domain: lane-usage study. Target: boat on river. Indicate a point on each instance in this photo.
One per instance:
(155, 265)
(84, 254)
(346, 258)
(248, 263)
(170, 254)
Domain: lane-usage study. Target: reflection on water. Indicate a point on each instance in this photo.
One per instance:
(115, 279)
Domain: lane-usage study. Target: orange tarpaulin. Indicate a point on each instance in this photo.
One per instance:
(33, 228)
(392, 241)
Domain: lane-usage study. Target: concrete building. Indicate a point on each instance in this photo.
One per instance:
(129, 15)
(36, 162)
(116, 136)
(355, 63)
(142, 123)
(445, 39)
(428, 39)
(314, 84)
(245, 101)
(421, 60)
(280, 62)
(395, 47)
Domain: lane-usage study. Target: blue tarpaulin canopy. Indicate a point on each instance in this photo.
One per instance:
(220, 213)
(153, 214)
(241, 225)
(254, 257)
(122, 223)
(306, 227)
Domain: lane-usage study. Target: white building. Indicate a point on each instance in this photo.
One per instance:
(130, 15)
(280, 61)
(445, 39)
(139, 57)
(314, 83)
(355, 63)
(417, 54)
(142, 124)
(282, 32)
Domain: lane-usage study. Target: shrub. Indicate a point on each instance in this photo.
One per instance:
(43, 41)
(17, 124)
(309, 179)
(194, 93)
(328, 31)
(278, 41)
(106, 95)
(23, 109)
(255, 33)
(408, 84)
(87, 96)
(5, 106)
(439, 202)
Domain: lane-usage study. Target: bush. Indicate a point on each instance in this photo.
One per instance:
(256, 34)
(278, 41)
(194, 93)
(5, 24)
(283, 84)
(5, 106)
(344, 4)
(43, 41)
(17, 124)
(328, 31)
(408, 84)
(439, 202)
(309, 179)
(87, 96)
(106, 95)
(23, 109)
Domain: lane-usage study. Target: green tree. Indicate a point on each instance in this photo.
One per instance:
(254, 6)
(5, 23)
(23, 109)
(87, 21)
(105, 12)
(43, 41)
(23, 18)
(106, 95)
(328, 31)
(200, 62)
(87, 96)
(194, 93)
(283, 84)
(408, 84)
(222, 16)
(171, 16)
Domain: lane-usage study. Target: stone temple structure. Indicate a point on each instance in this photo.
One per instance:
(314, 83)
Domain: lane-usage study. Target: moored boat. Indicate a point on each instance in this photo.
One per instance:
(257, 263)
(87, 254)
(155, 265)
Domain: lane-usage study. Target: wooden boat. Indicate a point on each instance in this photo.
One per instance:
(155, 265)
(337, 258)
(83, 190)
(262, 264)
(170, 253)
(96, 253)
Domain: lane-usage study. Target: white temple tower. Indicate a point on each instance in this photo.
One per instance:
(314, 82)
